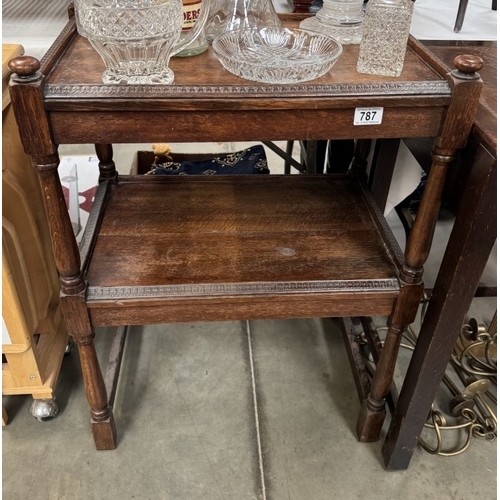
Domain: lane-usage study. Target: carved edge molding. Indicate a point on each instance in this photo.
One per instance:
(56, 46)
(91, 226)
(96, 293)
(53, 91)
(381, 221)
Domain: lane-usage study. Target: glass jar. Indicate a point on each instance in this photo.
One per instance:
(385, 34)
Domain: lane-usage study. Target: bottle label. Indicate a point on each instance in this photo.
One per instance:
(191, 9)
(368, 116)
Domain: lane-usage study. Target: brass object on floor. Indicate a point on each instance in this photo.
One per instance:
(471, 409)
(475, 367)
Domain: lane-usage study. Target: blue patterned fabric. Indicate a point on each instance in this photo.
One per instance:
(249, 161)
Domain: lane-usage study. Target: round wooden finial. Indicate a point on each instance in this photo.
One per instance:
(24, 65)
(468, 63)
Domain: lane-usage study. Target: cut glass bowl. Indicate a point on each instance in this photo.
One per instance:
(277, 55)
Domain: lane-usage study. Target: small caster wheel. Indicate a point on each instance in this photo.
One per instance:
(69, 347)
(44, 409)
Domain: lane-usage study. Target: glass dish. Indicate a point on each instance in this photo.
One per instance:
(277, 55)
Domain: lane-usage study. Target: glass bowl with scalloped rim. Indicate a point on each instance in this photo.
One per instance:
(277, 55)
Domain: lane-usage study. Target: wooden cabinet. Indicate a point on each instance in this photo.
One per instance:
(165, 249)
(34, 334)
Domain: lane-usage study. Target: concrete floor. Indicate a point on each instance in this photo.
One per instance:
(187, 425)
(259, 410)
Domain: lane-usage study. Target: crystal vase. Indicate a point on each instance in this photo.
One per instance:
(137, 38)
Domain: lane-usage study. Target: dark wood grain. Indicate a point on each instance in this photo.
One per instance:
(205, 249)
(114, 363)
(356, 358)
(467, 252)
(229, 308)
(255, 230)
(484, 130)
(246, 125)
(207, 70)
(81, 329)
(237, 230)
(487, 51)
(28, 101)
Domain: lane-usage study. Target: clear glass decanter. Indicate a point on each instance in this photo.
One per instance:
(191, 9)
(340, 19)
(385, 35)
(228, 15)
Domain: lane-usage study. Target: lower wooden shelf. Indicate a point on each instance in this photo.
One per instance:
(196, 248)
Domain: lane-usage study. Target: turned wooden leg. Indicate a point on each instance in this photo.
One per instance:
(382, 169)
(340, 154)
(372, 414)
(309, 155)
(360, 160)
(73, 289)
(417, 250)
(107, 168)
(101, 414)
